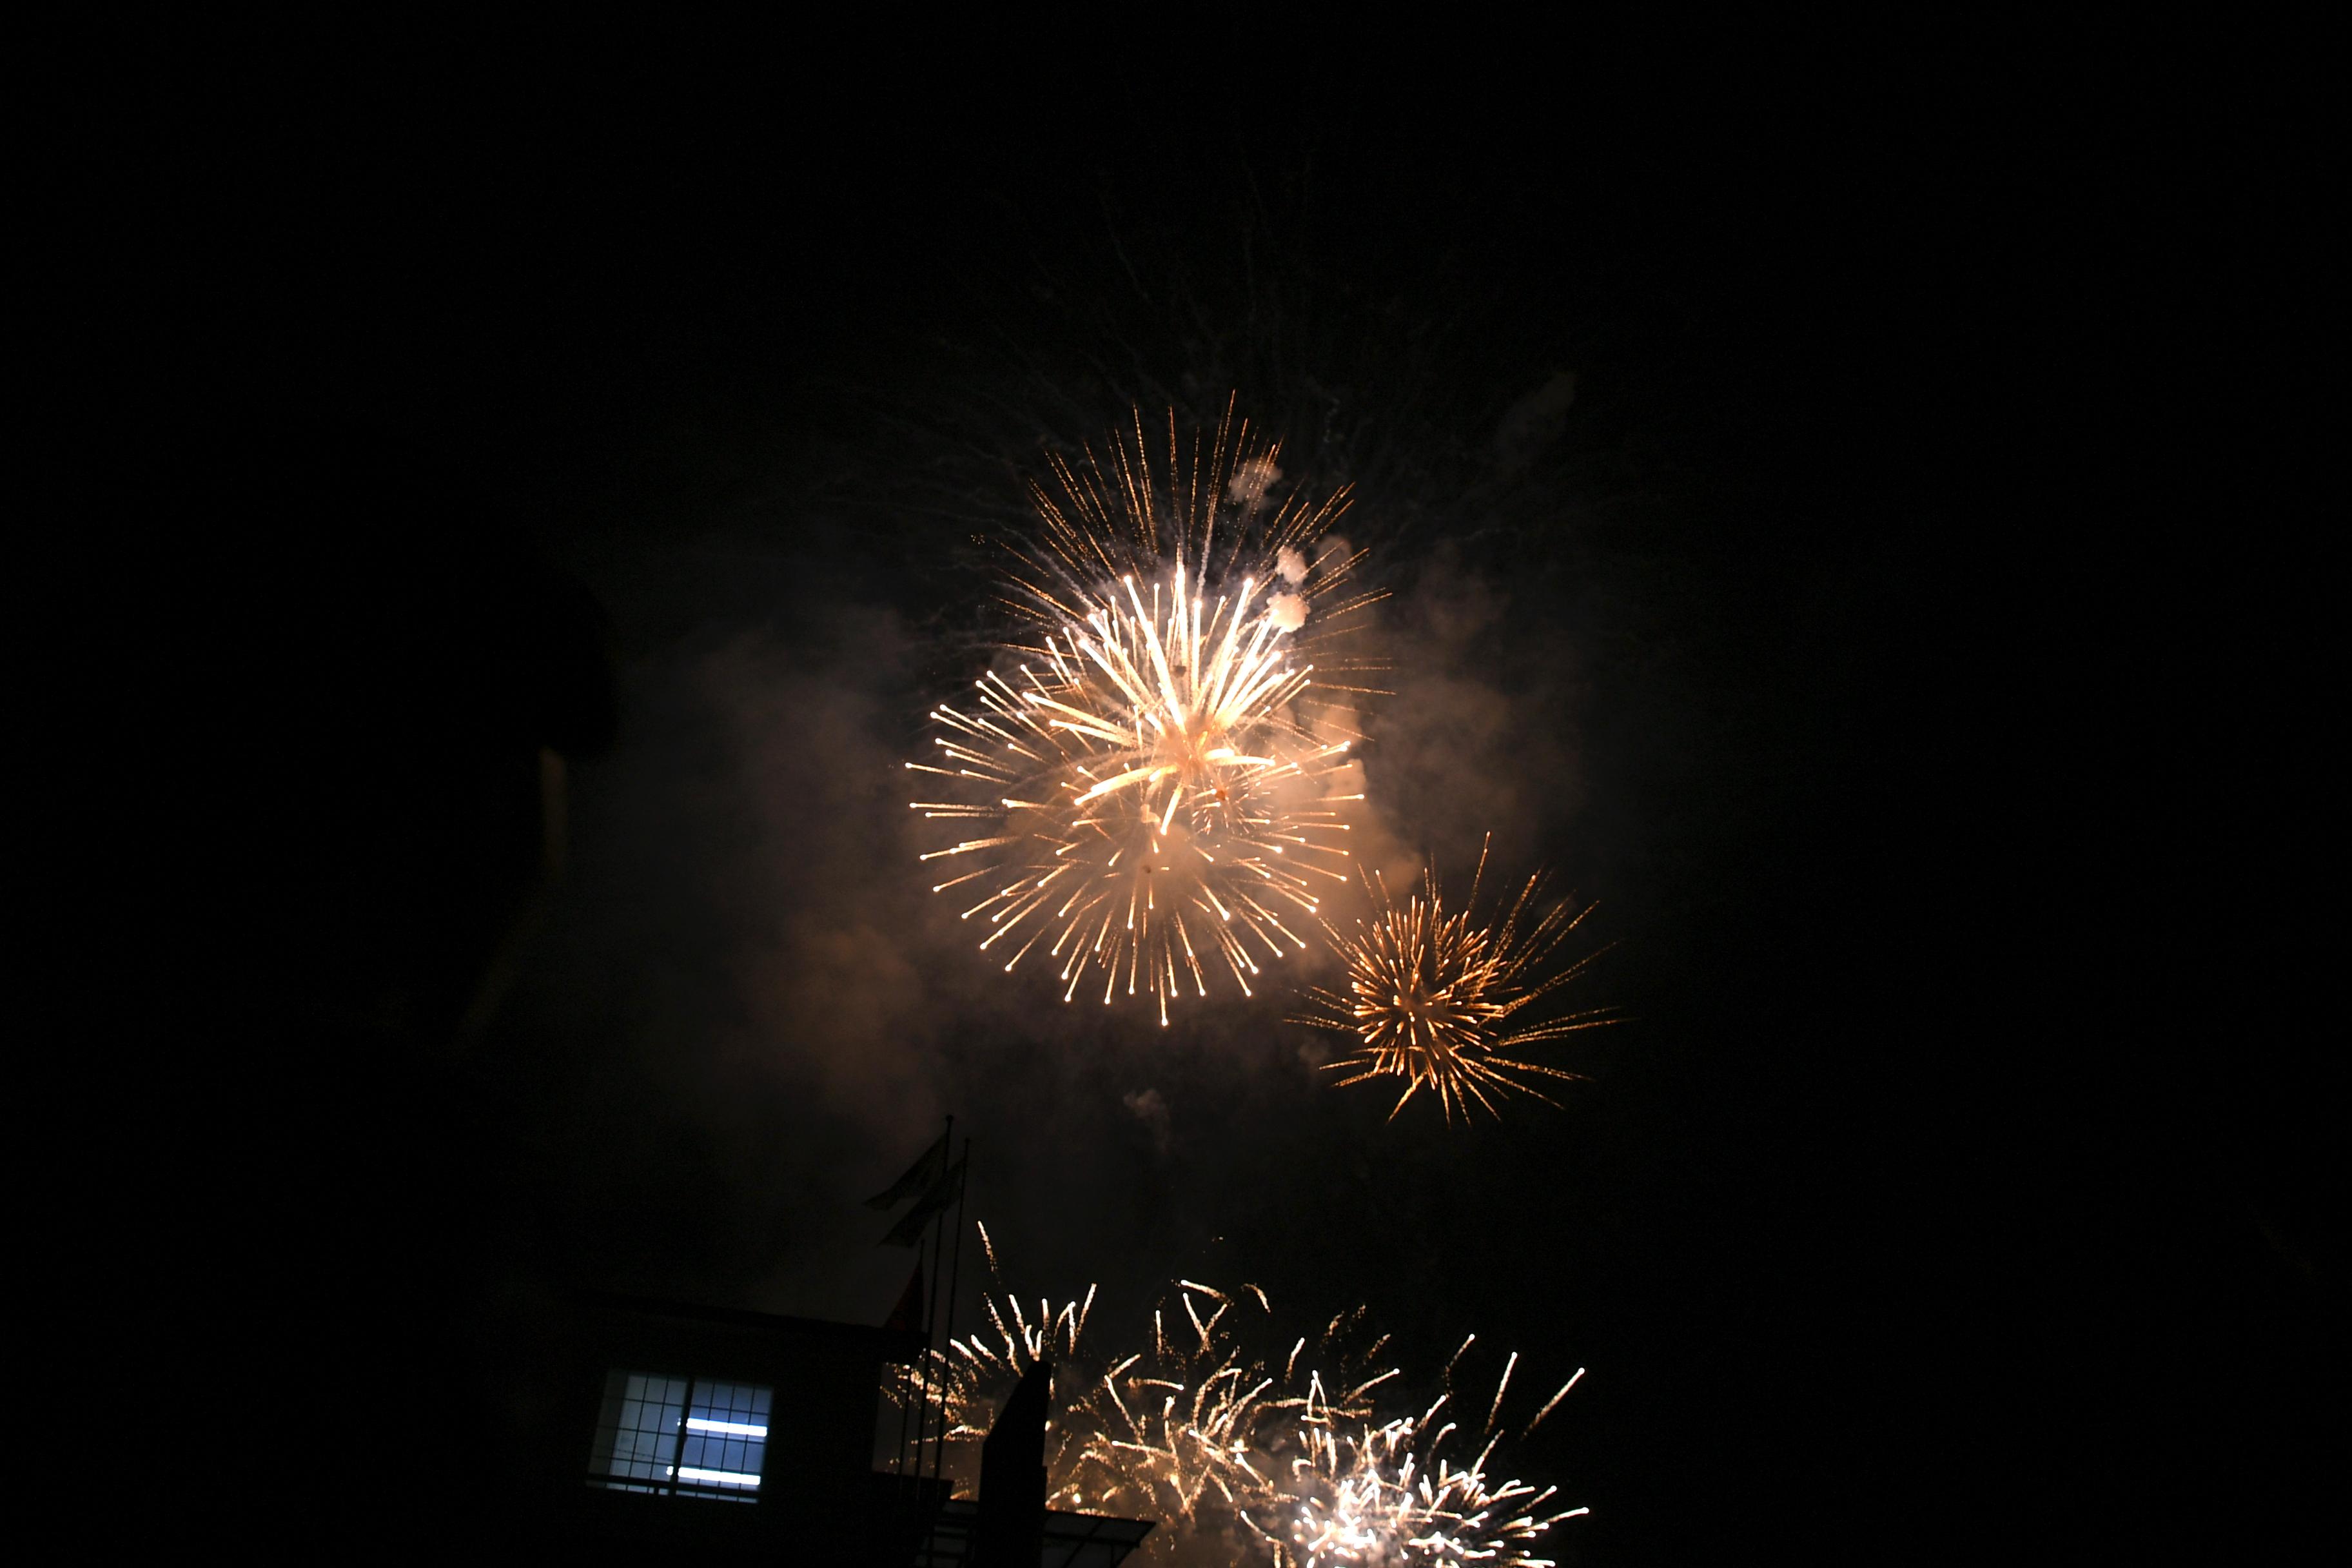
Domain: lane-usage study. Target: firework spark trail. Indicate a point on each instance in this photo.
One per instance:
(1276, 1456)
(1147, 790)
(1441, 1000)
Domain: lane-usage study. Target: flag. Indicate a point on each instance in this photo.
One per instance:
(909, 1231)
(907, 1316)
(920, 1177)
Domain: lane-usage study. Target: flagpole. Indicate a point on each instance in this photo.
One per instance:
(930, 1313)
(923, 1374)
(902, 1423)
(958, 1256)
(902, 1401)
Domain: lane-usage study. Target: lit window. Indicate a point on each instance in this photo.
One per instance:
(680, 1436)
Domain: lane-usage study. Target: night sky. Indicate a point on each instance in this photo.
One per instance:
(1742, 444)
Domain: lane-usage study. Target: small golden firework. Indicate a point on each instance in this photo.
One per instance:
(1442, 1000)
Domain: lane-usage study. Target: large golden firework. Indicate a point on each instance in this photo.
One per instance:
(1243, 1451)
(1150, 780)
(1442, 1000)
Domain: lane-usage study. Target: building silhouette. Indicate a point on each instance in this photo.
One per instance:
(715, 1436)
(439, 698)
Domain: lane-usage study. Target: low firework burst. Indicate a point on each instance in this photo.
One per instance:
(1186, 1425)
(1384, 1493)
(1193, 1428)
(1149, 778)
(1442, 1001)
(1241, 1454)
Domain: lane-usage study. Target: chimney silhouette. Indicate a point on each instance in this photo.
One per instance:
(1011, 1529)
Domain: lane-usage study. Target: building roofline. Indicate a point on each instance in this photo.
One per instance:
(901, 1345)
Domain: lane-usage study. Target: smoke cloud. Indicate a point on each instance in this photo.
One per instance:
(759, 1011)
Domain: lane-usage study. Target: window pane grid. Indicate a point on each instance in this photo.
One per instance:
(686, 1437)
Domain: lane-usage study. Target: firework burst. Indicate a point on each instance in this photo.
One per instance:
(1183, 1430)
(1242, 1450)
(1148, 780)
(1442, 1001)
(1384, 1493)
